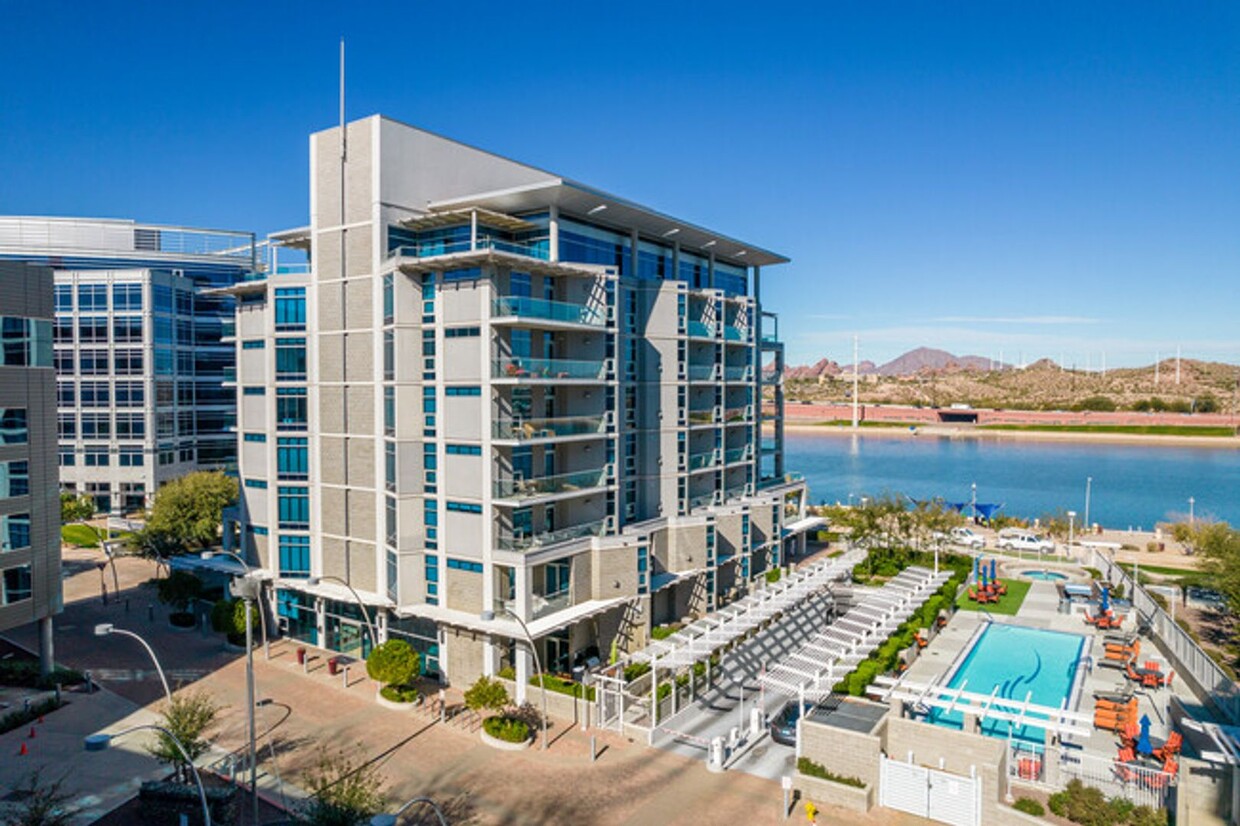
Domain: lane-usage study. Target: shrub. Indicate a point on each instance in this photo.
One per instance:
(178, 589)
(222, 616)
(25, 674)
(393, 662)
(1103, 404)
(18, 719)
(562, 686)
(508, 729)
(1029, 806)
(486, 695)
(810, 768)
(774, 575)
(662, 632)
(399, 693)
(634, 670)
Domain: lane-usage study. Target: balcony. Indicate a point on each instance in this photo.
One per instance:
(776, 481)
(701, 500)
(544, 604)
(704, 416)
(700, 329)
(521, 490)
(229, 375)
(557, 312)
(771, 377)
(521, 368)
(529, 430)
(702, 372)
(534, 248)
(735, 455)
(731, 333)
(698, 461)
(228, 328)
(732, 415)
(525, 542)
(738, 374)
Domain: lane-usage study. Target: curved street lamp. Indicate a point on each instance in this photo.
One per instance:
(315, 580)
(103, 629)
(384, 819)
(101, 741)
(249, 570)
(489, 616)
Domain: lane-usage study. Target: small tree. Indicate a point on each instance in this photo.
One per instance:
(342, 793)
(75, 508)
(188, 511)
(487, 695)
(189, 716)
(393, 662)
(40, 804)
(179, 589)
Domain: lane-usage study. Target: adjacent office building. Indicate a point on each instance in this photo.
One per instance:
(495, 391)
(139, 351)
(29, 504)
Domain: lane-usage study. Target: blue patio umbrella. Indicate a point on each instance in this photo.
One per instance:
(1105, 604)
(976, 561)
(992, 569)
(1144, 746)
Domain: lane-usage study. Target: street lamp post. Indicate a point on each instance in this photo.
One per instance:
(370, 626)
(1071, 523)
(103, 629)
(100, 742)
(1191, 521)
(489, 616)
(973, 502)
(384, 819)
(1089, 483)
(249, 570)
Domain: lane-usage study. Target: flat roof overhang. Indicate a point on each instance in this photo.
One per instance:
(595, 205)
(297, 238)
(410, 265)
(455, 217)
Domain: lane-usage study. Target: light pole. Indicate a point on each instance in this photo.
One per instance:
(1191, 521)
(249, 570)
(100, 742)
(973, 503)
(248, 589)
(489, 616)
(1089, 483)
(390, 819)
(1071, 523)
(370, 626)
(103, 629)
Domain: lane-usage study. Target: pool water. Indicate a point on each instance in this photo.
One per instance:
(1019, 661)
(1049, 576)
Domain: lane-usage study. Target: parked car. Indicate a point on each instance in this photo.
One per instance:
(784, 724)
(968, 537)
(1018, 540)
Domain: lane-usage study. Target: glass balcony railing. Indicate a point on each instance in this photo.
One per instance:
(734, 492)
(292, 269)
(697, 461)
(739, 454)
(522, 542)
(701, 372)
(700, 329)
(228, 328)
(742, 373)
(522, 429)
(736, 414)
(512, 305)
(533, 248)
(786, 479)
(705, 416)
(733, 334)
(544, 604)
(520, 367)
(701, 500)
(770, 337)
(770, 377)
(229, 374)
(514, 488)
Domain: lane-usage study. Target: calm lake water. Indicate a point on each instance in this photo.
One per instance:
(1134, 485)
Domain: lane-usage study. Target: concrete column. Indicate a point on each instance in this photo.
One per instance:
(525, 670)
(47, 656)
(554, 234)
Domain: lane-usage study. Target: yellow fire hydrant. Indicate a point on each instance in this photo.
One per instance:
(811, 812)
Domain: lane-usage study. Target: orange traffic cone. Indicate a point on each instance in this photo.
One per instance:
(31, 735)
(40, 719)
(23, 751)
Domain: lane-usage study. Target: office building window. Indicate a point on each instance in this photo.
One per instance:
(18, 584)
(464, 507)
(65, 395)
(64, 362)
(462, 332)
(291, 408)
(463, 391)
(293, 457)
(64, 298)
(389, 411)
(465, 565)
(389, 300)
(93, 298)
(431, 570)
(290, 308)
(257, 484)
(389, 465)
(68, 458)
(127, 329)
(95, 456)
(430, 518)
(130, 425)
(255, 437)
(14, 479)
(15, 532)
(254, 390)
(95, 394)
(131, 457)
(393, 574)
(254, 344)
(294, 508)
(66, 425)
(130, 394)
(389, 520)
(464, 450)
(389, 355)
(294, 556)
(127, 297)
(93, 362)
(96, 426)
(93, 329)
(290, 359)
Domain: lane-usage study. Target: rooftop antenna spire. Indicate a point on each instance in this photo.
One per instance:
(344, 138)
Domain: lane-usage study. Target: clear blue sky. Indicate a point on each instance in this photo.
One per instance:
(1041, 178)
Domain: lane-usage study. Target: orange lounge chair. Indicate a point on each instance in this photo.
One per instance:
(921, 641)
(1171, 747)
(1129, 735)
(1123, 770)
(973, 595)
(1160, 780)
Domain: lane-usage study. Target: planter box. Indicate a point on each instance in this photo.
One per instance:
(386, 703)
(853, 798)
(504, 745)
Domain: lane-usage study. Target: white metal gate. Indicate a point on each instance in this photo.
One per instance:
(938, 795)
(609, 702)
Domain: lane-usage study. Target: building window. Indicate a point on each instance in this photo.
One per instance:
(293, 457)
(17, 584)
(68, 458)
(290, 359)
(255, 437)
(127, 297)
(95, 394)
(290, 308)
(14, 479)
(127, 329)
(95, 457)
(463, 391)
(294, 556)
(258, 484)
(393, 574)
(65, 395)
(66, 425)
(643, 569)
(389, 300)
(96, 426)
(64, 298)
(389, 465)
(93, 298)
(130, 457)
(462, 332)
(464, 450)
(130, 394)
(389, 411)
(389, 520)
(389, 355)
(430, 518)
(15, 532)
(254, 344)
(93, 362)
(462, 274)
(432, 579)
(130, 425)
(465, 565)
(93, 329)
(291, 408)
(254, 390)
(464, 507)
(294, 508)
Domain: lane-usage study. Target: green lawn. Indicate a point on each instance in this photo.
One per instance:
(1138, 430)
(81, 535)
(1007, 605)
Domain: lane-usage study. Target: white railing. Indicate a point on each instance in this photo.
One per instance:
(1144, 786)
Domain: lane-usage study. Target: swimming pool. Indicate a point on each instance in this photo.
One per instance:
(1048, 576)
(1019, 661)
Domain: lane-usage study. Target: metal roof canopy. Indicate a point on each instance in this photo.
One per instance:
(840, 646)
(697, 640)
(455, 217)
(988, 706)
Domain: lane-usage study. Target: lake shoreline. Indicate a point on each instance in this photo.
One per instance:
(949, 432)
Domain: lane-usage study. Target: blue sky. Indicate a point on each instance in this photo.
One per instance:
(1041, 179)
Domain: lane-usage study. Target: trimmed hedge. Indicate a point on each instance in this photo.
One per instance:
(508, 729)
(399, 693)
(811, 769)
(1029, 806)
(25, 674)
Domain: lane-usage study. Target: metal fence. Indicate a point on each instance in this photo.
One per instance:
(1187, 657)
(1143, 785)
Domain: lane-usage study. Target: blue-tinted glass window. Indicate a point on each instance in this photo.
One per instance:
(290, 359)
(14, 479)
(13, 429)
(463, 391)
(588, 244)
(294, 508)
(294, 556)
(14, 532)
(93, 298)
(64, 298)
(127, 297)
(290, 308)
(293, 457)
(291, 408)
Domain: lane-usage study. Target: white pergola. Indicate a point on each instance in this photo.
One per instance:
(811, 671)
(700, 639)
(984, 707)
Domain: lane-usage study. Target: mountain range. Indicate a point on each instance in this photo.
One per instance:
(920, 361)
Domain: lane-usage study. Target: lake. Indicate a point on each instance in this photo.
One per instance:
(1133, 485)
